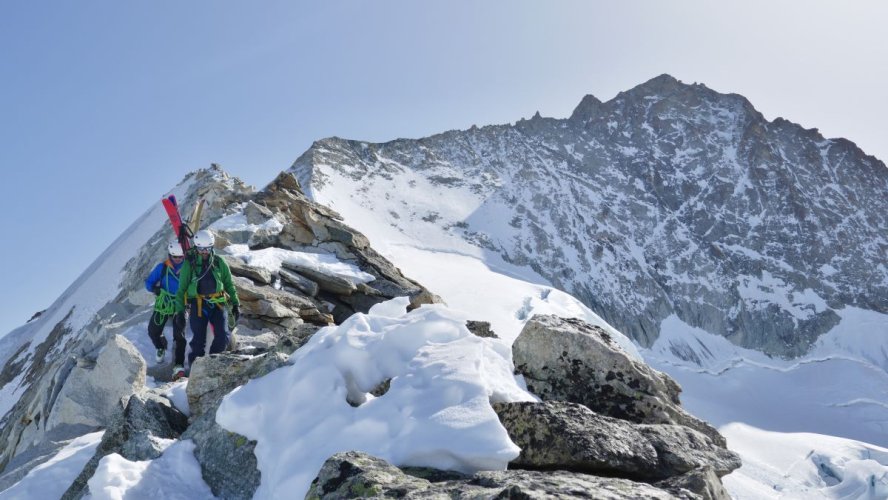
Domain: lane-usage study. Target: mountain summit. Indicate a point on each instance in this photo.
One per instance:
(669, 199)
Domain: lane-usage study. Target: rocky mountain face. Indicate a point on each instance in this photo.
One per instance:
(623, 435)
(668, 199)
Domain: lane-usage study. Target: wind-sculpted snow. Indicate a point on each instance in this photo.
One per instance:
(668, 199)
(436, 411)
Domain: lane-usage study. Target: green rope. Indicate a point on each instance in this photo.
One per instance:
(165, 305)
(217, 300)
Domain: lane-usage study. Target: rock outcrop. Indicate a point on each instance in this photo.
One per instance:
(570, 360)
(94, 390)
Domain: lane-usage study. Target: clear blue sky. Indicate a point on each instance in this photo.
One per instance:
(105, 105)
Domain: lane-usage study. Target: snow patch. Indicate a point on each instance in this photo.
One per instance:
(435, 413)
(51, 478)
(272, 259)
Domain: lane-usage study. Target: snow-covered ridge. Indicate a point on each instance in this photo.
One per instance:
(668, 199)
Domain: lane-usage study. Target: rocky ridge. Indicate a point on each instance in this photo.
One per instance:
(63, 378)
(668, 199)
(639, 445)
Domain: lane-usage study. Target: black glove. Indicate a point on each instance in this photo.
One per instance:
(235, 311)
(156, 289)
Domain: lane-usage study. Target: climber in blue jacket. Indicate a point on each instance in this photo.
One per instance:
(164, 283)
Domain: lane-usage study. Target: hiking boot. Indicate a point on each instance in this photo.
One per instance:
(178, 372)
(158, 356)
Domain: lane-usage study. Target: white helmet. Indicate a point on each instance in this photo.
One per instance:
(204, 239)
(175, 249)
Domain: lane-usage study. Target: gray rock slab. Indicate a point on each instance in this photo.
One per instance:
(569, 436)
(570, 360)
(92, 393)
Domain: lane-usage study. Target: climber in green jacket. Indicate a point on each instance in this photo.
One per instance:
(205, 284)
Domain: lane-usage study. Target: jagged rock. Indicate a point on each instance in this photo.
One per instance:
(481, 329)
(301, 283)
(570, 360)
(557, 435)
(214, 376)
(326, 282)
(681, 449)
(135, 433)
(227, 460)
(91, 394)
(354, 474)
(240, 268)
(308, 223)
(702, 482)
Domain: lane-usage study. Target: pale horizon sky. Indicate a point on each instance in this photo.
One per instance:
(107, 105)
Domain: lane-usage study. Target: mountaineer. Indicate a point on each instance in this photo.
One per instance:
(164, 283)
(208, 289)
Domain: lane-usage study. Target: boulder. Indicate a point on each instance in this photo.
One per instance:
(93, 393)
(558, 435)
(571, 360)
(215, 375)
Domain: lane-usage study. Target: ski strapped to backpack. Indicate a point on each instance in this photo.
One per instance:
(184, 230)
(179, 228)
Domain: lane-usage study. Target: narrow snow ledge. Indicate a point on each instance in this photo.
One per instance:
(272, 259)
(435, 413)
